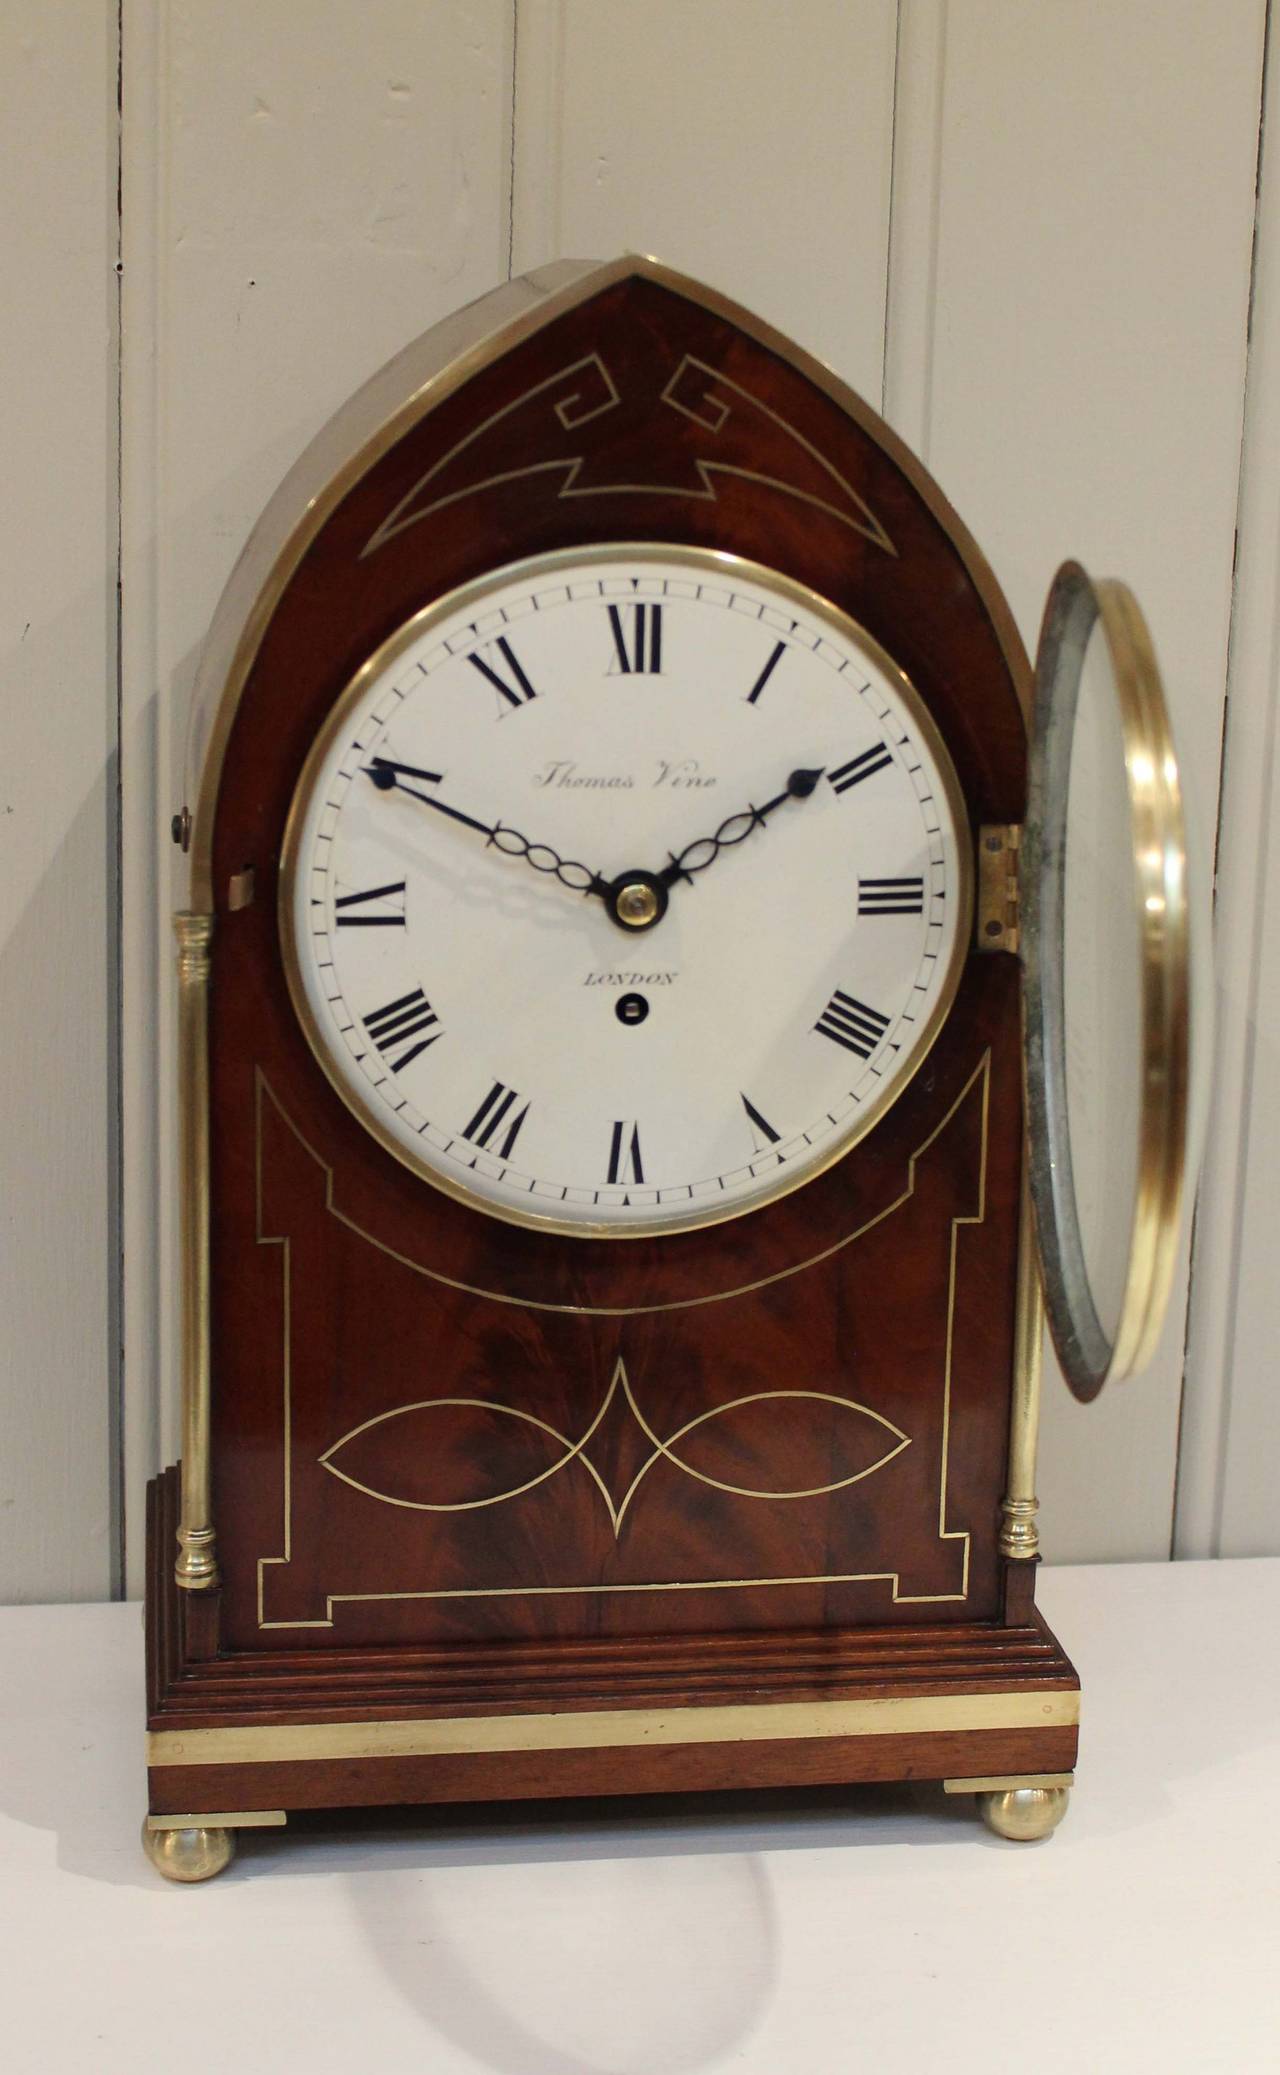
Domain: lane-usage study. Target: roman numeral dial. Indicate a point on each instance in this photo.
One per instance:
(625, 1162)
(497, 1122)
(858, 769)
(377, 907)
(852, 1024)
(779, 651)
(501, 666)
(637, 638)
(399, 1023)
(763, 1134)
(891, 896)
(661, 950)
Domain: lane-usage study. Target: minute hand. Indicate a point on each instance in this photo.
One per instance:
(386, 775)
(695, 857)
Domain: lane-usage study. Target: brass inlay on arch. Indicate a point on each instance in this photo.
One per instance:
(571, 413)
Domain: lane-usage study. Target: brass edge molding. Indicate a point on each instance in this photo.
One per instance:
(892, 1578)
(377, 415)
(1008, 1783)
(1019, 1534)
(196, 1567)
(234, 1819)
(615, 1729)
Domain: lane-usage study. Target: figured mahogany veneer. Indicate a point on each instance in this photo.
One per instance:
(345, 1288)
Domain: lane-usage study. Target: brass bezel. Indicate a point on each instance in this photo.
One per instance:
(460, 599)
(1076, 603)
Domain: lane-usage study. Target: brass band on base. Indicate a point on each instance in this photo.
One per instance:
(576, 1729)
(196, 1569)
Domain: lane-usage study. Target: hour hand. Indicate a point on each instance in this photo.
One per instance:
(388, 774)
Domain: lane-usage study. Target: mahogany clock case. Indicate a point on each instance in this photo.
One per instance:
(716, 1508)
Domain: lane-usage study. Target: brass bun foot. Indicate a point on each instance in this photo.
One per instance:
(189, 1855)
(1024, 1813)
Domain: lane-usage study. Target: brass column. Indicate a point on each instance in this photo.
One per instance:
(196, 1569)
(1019, 1535)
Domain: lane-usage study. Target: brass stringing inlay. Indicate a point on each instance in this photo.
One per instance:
(576, 1451)
(595, 392)
(981, 1074)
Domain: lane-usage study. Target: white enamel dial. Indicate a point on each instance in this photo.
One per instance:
(595, 736)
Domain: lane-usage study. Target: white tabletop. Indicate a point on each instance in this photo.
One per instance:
(873, 1929)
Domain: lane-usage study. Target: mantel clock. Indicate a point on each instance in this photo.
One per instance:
(627, 848)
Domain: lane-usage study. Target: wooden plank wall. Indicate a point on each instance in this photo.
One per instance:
(1229, 1465)
(1024, 232)
(59, 1331)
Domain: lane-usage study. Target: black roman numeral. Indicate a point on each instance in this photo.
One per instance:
(394, 920)
(624, 1153)
(763, 1134)
(637, 638)
(766, 673)
(858, 768)
(891, 896)
(515, 688)
(852, 1024)
(399, 1021)
(491, 1115)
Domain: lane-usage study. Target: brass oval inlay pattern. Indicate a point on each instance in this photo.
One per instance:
(575, 1451)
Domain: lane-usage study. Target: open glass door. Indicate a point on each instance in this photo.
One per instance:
(1107, 951)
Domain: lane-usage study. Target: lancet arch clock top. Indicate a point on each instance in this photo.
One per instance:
(612, 1305)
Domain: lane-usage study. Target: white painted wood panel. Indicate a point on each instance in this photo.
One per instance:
(58, 1231)
(1075, 238)
(1229, 1471)
(745, 143)
(296, 207)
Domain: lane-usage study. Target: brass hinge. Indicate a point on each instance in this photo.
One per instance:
(996, 922)
(241, 889)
